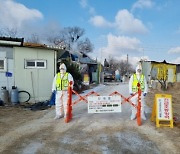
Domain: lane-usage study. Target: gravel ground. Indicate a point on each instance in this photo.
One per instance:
(24, 131)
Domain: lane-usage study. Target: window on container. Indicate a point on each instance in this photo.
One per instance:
(35, 63)
(2, 64)
(41, 64)
(30, 64)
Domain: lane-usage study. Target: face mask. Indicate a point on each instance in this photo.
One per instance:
(62, 71)
(139, 71)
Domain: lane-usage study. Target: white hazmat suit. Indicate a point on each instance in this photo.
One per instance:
(61, 95)
(134, 99)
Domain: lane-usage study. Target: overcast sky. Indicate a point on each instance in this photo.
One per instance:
(147, 29)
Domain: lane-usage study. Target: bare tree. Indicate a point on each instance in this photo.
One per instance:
(125, 68)
(1, 32)
(85, 46)
(71, 39)
(161, 76)
(74, 33)
(113, 64)
(122, 65)
(56, 40)
(33, 39)
(9, 32)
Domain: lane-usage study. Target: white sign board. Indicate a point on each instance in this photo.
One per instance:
(104, 104)
(164, 108)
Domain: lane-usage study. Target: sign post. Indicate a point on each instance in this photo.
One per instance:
(162, 110)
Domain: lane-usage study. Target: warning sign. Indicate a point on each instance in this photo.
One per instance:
(104, 104)
(164, 108)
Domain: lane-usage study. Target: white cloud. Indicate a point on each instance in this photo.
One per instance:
(14, 14)
(140, 4)
(176, 61)
(99, 21)
(83, 3)
(119, 45)
(126, 23)
(133, 60)
(92, 10)
(164, 5)
(174, 50)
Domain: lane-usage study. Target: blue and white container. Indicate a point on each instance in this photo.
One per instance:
(14, 95)
(4, 95)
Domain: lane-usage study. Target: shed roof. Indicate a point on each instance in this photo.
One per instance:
(87, 60)
(9, 41)
(158, 62)
(28, 44)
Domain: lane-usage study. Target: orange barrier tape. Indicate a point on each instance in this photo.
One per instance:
(83, 97)
(124, 98)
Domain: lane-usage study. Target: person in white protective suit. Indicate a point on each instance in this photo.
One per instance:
(133, 88)
(60, 85)
(117, 75)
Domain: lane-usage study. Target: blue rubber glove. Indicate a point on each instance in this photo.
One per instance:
(53, 98)
(144, 94)
(54, 92)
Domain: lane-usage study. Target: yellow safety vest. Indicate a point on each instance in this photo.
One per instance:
(135, 82)
(62, 83)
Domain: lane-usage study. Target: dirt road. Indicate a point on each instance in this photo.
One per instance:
(28, 132)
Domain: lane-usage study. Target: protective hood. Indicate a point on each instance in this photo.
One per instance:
(62, 68)
(139, 67)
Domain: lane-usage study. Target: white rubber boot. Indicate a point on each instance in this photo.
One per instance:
(133, 114)
(58, 117)
(143, 111)
(143, 115)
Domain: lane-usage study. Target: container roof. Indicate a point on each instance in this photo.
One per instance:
(9, 41)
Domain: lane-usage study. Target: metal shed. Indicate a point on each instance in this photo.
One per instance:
(159, 70)
(31, 67)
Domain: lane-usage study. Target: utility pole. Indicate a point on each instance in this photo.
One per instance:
(127, 63)
(127, 59)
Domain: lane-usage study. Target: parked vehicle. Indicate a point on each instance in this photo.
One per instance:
(109, 76)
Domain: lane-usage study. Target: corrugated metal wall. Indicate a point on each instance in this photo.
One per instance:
(165, 71)
(169, 72)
